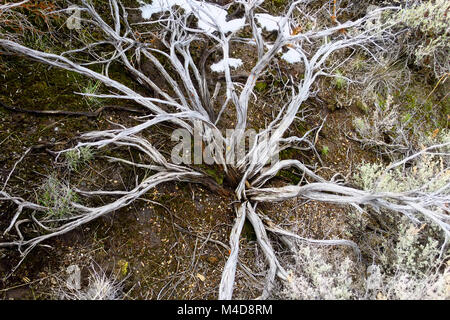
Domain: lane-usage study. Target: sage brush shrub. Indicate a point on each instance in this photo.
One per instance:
(424, 175)
(412, 269)
(384, 123)
(410, 255)
(57, 197)
(428, 173)
(319, 273)
(428, 34)
(77, 157)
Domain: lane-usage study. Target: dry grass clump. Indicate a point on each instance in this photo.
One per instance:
(100, 287)
(414, 268)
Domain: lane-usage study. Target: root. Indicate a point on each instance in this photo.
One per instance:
(229, 271)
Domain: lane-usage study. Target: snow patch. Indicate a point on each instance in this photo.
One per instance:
(220, 66)
(271, 23)
(292, 56)
(212, 17)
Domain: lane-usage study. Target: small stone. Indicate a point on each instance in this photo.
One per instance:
(201, 277)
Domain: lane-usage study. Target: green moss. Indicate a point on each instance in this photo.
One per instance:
(289, 174)
(428, 112)
(287, 154)
(123, 266)
(260, 86)
(38, 42)
(301, 128)
(362, 106)
(217, 175)
(248, 232)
